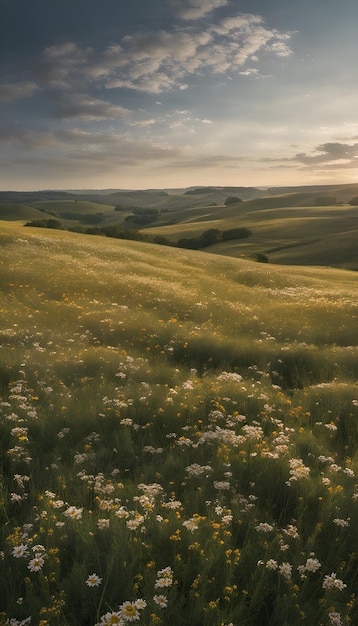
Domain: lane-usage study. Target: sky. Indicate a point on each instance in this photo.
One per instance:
(141, 94)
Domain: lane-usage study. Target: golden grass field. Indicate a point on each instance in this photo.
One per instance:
(178, 435)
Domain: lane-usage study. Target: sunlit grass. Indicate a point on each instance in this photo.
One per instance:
(293, 235)
(170, 411)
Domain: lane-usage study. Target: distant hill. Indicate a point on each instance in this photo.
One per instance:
(13, 211)
(343, 193)
(33, 196)
(243, 192)
(288, 229)
(301, 225)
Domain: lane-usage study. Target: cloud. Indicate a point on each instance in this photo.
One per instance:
(142, 123)
(91, 153)
(242, 22)
(81, 106)
(280, 48)
(157, 83)
(73, 79)
(31, 140)
(331, 155)
(194, 9)
(10, 92)
(250, 71)
(159, 61)
(154, 62)
(79, 149)
(63, 64)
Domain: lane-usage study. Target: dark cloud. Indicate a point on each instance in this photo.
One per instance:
(331, 154)
(63, 65)
(10, 92)
(83, 107)
(74, 147)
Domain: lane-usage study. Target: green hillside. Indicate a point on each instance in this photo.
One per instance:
(76, 206)
(288, 234)
(179, 436)
(13, 211)
(314, 225)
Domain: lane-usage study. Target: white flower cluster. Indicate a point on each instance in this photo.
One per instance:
(297, 470)
(311, 565)
(231, 376)
(332, 582)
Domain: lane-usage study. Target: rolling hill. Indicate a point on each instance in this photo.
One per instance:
(295, 226)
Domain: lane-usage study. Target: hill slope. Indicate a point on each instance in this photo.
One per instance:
(161, 281)
(313, 225)
(179, 436)
(286, 233)
(13, 211)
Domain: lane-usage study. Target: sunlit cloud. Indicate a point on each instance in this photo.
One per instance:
(156, 61)
(194, 9)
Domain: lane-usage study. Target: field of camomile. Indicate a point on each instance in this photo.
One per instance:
(179, 436)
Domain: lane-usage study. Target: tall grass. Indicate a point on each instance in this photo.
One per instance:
(178, 437)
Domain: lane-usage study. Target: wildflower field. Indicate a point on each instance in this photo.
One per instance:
(179, 436)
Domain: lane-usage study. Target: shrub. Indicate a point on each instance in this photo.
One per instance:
(50, 223)
(93, 230)
(262, 258)
(207, 238)
(236, 233)
(193, 243)
(140, 219)
(120, 233)
(163, 241)
(232, 200)
(211, 236)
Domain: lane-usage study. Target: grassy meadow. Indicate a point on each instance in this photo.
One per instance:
(179, 436)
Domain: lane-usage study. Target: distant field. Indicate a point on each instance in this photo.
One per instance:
(179, 435)
(288, 235)
(79, 206)
(297, 226)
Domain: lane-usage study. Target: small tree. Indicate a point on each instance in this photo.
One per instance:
(232, 200)
(211, 236)
(261, 258)
(192, 243)
(163, 241)
(236, 233)
(51, 223)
